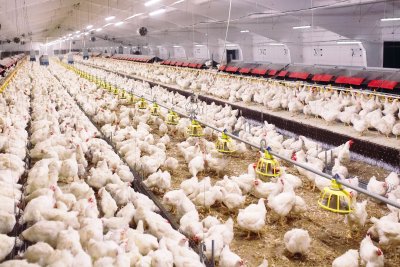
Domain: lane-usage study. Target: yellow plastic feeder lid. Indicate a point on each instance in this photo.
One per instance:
(336, 199)
(142, 103)
(172, 118)
(224, 144)
(195, 129)
(155, 110)
(267, 165)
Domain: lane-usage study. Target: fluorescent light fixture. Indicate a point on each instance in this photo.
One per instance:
(231, 45)
(135, 15)
(151, 2)
(198, 45)
(177, 46)
(119, 23)
(177, 2)
(70, 34)
(86, 33)
(243, 31)
(390, 19)
(276, 44)
(99, 29)
(301, 27)
(158, 11)
(348, 42)
(89, 27)
(110, 18)
(125, 47)
(77, 32)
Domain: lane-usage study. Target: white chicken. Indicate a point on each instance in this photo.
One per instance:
(376, 186)
(252, 218)
(229, 259)
(348, 259)
(107, 203)
(297, 241)
(6, 245)
(358, 216)
(370, 254)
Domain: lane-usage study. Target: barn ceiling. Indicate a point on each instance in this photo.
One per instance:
(201, 21)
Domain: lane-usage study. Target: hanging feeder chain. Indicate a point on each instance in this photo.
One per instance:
(322, 174)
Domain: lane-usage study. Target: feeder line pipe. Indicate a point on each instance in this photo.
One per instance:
(301, 165)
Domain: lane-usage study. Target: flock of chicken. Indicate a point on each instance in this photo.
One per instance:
(360, 111)
(231, 190)
(78, 204)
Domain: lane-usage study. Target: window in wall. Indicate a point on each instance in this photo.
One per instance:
(232, 54)
(391, 55)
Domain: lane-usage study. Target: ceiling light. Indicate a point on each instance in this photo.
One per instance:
(151, 2)
(348, 42)
(135, 15)
(89, 27)
(199, 45)
(86, 33)
(110, 18)
(77, 32)
(119, 23)
(301, 27)
(99, 29)
(177, 46)
(177, 2)
(231, 45)
(390, 19)
(158, 11)
(243, 31)
(276, 44)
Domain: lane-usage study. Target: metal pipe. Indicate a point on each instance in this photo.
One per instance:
(301, 165)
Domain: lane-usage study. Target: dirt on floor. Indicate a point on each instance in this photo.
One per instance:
(329, 233)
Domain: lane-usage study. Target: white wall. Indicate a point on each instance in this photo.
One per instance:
(269, 53)
(179, 52)
(163, 52)
(342, 55)
(201, 52)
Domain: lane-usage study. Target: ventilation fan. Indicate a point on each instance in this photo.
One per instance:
(73, 42)
(16, 40)
(142, 31)
(8, 41)
(93, 39)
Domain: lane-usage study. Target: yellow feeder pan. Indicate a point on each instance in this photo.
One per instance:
(115, 90)
(155, 110)
(172, 118)
(142, 103)
(267, 166)
(335, 199)
(123, 94)
(224, 144)
(195, 129)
